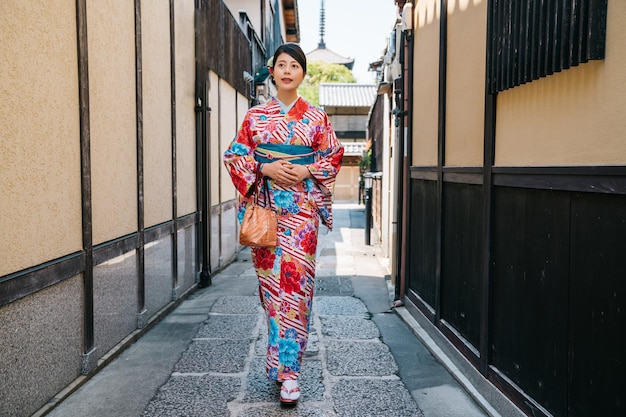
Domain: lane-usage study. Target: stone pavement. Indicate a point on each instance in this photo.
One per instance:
(206, 357)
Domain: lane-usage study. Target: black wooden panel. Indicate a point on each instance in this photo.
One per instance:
(530, 267)
(567, 182)
(229, 50)
(531, 39)
(598, 306)
(377, 134)
(158, 232)
(422, 240)
(29, 281)
(461, 270)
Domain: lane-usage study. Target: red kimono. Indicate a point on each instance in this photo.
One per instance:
(286, 273)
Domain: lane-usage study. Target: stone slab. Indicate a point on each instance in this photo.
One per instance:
(237, 305)
(351, 358)
(349, 327)
(228, 326)
(223, 356)
(373, 398)
(333, 306)
(194, 396)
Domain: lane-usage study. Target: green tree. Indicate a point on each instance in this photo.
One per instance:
(323, 72)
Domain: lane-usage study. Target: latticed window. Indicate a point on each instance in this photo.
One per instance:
(530, 39)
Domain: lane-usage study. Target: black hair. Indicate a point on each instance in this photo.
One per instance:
(294, 51)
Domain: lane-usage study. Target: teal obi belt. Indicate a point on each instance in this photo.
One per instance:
(296, 154)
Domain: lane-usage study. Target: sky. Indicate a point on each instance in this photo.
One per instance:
(356, 29)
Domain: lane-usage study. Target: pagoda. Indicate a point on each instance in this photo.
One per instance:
(321, 53)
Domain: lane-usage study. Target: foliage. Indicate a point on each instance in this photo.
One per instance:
(321, 72)
(365, 162)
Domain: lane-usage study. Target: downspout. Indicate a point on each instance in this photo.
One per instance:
(174, 147)
(399, 182)
(408, 134)
(403, 122)
(202, 143)
(441, 152)
(205, 192)
(405, 169)
(491, 99)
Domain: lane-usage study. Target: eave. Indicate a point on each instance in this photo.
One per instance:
(292, 26)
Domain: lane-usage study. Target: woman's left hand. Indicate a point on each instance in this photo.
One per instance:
(300, 173)
(285, 173)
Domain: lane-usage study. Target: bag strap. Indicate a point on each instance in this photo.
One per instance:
(266, 192)
(260, 181)
(258, 176)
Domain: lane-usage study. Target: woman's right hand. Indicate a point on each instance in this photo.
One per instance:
(281, 171)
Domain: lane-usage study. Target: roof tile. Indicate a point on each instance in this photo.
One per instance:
(347, 95)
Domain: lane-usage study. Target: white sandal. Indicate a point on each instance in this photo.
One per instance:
(289, 392)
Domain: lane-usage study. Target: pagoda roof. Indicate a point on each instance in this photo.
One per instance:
(326, 55)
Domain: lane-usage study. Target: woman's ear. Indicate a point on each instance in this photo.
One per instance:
(271, 70)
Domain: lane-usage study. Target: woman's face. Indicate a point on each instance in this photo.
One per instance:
(288, 73)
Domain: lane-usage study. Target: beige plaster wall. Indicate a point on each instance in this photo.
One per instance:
(575, 117)
(347, 184)
(425, 83)
(111, 37)
(228, 130)
(185, 103)
(40, 194)
(465, 91)
(214, 128)
(157, 111)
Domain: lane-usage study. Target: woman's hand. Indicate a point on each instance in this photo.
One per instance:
(285, 173)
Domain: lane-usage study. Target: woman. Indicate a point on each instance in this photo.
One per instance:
(292, 145)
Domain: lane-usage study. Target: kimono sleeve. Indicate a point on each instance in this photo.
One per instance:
(328, 158)
(329, 155)
(239, 159)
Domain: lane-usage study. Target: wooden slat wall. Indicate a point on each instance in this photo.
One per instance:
(530, 39)
(229, 49)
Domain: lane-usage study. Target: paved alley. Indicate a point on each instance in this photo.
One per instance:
(206, 358)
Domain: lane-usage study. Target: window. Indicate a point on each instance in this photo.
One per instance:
(529, 39)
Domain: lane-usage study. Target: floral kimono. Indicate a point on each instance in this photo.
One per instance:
(286, 273)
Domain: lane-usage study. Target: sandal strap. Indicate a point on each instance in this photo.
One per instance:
(290, 391)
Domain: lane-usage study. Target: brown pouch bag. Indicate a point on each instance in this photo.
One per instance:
(259, 224)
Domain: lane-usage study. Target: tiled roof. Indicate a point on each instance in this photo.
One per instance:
(347, 95)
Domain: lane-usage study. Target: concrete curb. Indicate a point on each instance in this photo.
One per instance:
(490, 399)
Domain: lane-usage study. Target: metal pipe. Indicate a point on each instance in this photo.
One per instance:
(202, 144)
(368, 216)
(205, 273)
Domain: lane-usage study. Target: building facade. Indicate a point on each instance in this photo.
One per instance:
(115, 204)
(347, 106)
(513, 195)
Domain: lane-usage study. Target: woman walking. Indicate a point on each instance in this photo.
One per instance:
(292, 146)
